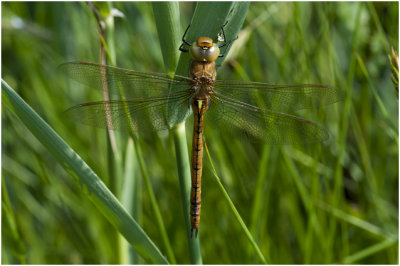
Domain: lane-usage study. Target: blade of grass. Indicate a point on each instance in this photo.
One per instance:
(338, 174)
(378, 99)
(166, 15)
(142, 166)
(145, 175)
(153, 201)
(183, 164)
(369, 251)
(129, 198)
(369, 227)
(378, 24)
(97, 192)
(158, 217)
(314, 226)
(258, 194)
(234, 210)
(10, 227)
(105, 25)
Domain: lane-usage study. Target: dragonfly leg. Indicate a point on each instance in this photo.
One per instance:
(229, 45)
(224, 43)
(183, 49)
(223, 34)
(184, 41)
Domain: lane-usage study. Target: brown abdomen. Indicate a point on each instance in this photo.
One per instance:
(199, 107)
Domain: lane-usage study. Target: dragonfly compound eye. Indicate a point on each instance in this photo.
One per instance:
(204, 50)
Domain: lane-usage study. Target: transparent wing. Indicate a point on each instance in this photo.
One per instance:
(255, 124)
(144, 114)
(118, 81)
(285, 97)
(153, 100)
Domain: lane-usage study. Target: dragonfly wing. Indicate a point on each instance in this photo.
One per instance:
(255, 124)
(285, 97)
(125, 83)
(142, 114)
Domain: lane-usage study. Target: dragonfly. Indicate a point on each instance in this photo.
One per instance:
(251, 111)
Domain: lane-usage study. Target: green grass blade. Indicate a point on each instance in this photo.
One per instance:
(367, 226)
(97, 192)
(10, 227)
(183, 164)
(370, 251)
(114, 164)
(235, 211)
(378, 99)
(167, 22)
(153, 201)
(105, 27)
(129, 198)
(338, 176)
(166, 15)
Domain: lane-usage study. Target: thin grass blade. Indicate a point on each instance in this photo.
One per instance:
(92, 185)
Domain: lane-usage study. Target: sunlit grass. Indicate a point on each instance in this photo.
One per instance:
(331, 202)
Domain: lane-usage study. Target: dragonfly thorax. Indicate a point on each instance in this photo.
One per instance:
(204, 50)
(202, 91)
(203, 72)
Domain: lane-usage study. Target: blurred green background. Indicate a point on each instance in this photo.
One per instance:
(331, 202)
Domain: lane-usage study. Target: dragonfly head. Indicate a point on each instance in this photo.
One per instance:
(204, 50)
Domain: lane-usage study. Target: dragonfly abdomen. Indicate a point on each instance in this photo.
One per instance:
(199, 107)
